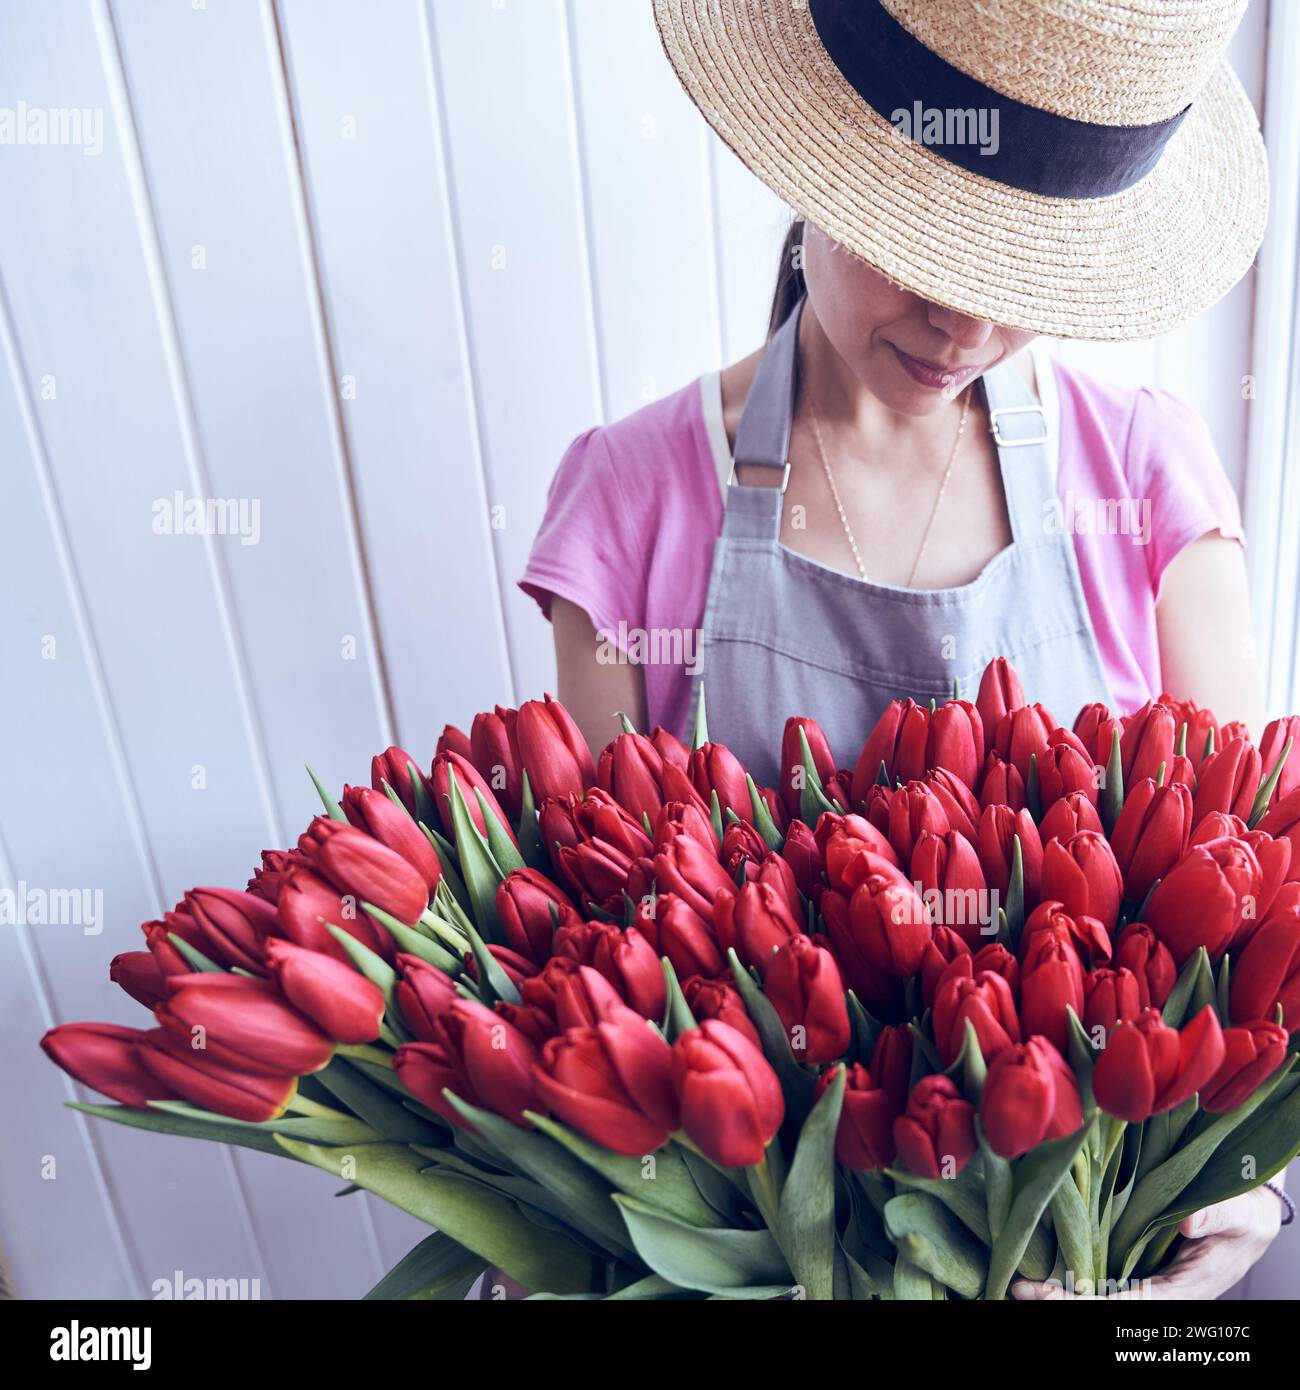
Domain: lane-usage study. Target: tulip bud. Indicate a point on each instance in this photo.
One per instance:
(684, 818)
(891, 1063)
(494, 752)
(864, 1139)
(308, 906)
(1204, 899)
(582, 996)
(715, 768)
(1000, 691)
(1020, 734)
(1083, 876)
(342, 1003)
(1147, 742)
(804, 857)
(478, 1056)
(423, 992)
(959, 802)
(1001, 784)
(690, 870)
(374, 813)
(899, 741)
(688, 941)
(269, 876)
(881, 992)
(1138, 949)
(530, 908)
(454, 740)
(998, 828)
(598, 873)
(243, 1023)
(471, 785)
(394, 767)
(232, 926)
(754, 922)
(956, 741)
(1029, 1095)
(1227, 781)
(1250, 1056)
(1147, 1067)
(944, 947)
(791, 782)
(1267, 972)
(803, 982)
(1068, 816)
(936, 1134)
(354, 863)
(1151, 834)
(890, 923)
(670, 748)
(623, 957)
(982, 998)
(631, 770)
(202, 1080)
(947, 870)
(138, 973)
(1051, 983)
(731, 1101)
(1276, 734)
(106, 1058)
(913, 810)
(1110, 997)
(612, 1082)
(553, 750)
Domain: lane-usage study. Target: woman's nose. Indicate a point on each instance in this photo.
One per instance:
(965, 331)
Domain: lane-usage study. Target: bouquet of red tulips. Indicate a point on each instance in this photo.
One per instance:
(1004, 1000)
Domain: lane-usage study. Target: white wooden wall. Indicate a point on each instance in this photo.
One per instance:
(373, 265)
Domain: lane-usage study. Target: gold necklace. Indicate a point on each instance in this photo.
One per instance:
(934, 511)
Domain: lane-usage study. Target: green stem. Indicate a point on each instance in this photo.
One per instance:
(363, 1052)
(762, 1185)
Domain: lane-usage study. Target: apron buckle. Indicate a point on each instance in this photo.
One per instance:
(785, 476)
(1002, 441)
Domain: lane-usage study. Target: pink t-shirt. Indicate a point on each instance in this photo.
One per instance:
(635, 507)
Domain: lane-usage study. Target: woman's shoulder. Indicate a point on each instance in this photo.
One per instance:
(664, 435)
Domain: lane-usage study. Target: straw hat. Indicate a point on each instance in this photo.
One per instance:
(1080, 168)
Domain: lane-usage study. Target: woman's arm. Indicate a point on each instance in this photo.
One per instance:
(1207, 644)
(594, 690)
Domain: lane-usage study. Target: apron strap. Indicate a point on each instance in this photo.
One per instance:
(1022, 432)
(763, 434)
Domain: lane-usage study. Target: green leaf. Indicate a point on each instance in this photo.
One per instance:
(414, 942)
(813, 802)
(374, 967)
(1015, 904)
(713, 1261)
(437, 1268)
(927, 1236)
(762, 817)
(1035, 1180)
(585, 1196)
(1111, 801)
(1221, 994)
(701, 735)
(333, 809)
(653, 1286)
(530, 835)
(480, 1220)
(806, 1217)
(1178, 1005)
(183, 1126)
(481, 872)
(678, 1018)
(492, 978)
(500, 844)
(1265, 792)
(1073, 1229)
(660, 1179)
(1033, 792)
(194, 956)
(796, 1083)
(715, 815)
(446, 853)
(380, 1110)
(964, 1196)
(911, 1282)
(316, 1129)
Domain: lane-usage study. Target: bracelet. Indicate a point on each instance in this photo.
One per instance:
(1286, 1201)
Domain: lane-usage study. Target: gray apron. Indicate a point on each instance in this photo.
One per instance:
(784, 634)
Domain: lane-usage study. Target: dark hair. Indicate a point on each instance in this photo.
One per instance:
(790, 286)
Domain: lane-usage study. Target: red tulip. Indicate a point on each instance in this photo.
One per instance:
(553, 750)
(232, 926)
(891, 1063)
(1051, 982)
(1022, 734)
(612, 1082)
(1227, 781)
(623, 957)
(1251, 1054)
(1137, 948)
(530, 908)
(670, 748)
(269, 875)
(1062, 771)
(804, 857)
(947, 871)
(1000, 691)
(599, 817)
(1204, 898)
(691, 871)
(1218, 825)
(854, 852)
(307, 904)
(138, 973)
(423, 992)
(864, 1138)
(982, 997)
(998, 827)
(1083, 876)
(1151, 834)
(731, 1101)
(454, 740)
(1093, 729)
(342, 1003)
(202, 1080)
(106, 1058)
(1110, 997)
(582, 997)
(1001, 784)
(791, 781)
(720, 1000)
(534, 1023)
(754, 922)
(956, 741)
(743, 849)
(1072, 813)
(394, 767)
(685, 818)
(243, 1023)
(1147, 1067)
(1276, 734)
(914, 809)
(715, 768)
(1267, 972)
(471, 785)
(1147, 742)
(479, 1057)
(374, 813)
(936, 1134)
(959, 802)
(890, 922)
(900, 741)
(944, 947)
(803, 982)
(354, 863)
(631, 770)
(598, 873)
(688, 941)
(518, 968)
(1086, 934)
(494, 750)
(1282, 821)
(881, 992)
(1029, 1096)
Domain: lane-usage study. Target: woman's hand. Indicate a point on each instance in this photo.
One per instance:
(1223, 1241)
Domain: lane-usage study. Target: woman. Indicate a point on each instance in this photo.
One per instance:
(893, 490)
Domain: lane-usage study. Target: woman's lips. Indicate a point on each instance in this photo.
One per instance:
(931, 374)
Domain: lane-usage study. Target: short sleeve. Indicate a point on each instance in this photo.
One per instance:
(1177, 480)
(589, 549)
